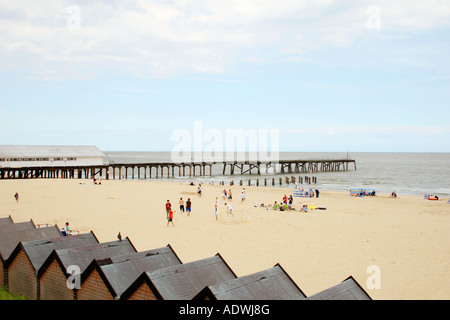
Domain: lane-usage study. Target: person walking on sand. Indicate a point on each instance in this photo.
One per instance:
(170, 218)
(168, 208)
(243, 195)
(16, 196)
(216, 212)
(181, 202)
(188, 206)
(230, 196)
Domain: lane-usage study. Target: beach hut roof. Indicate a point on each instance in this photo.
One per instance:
(82, 256)
(349, 289)
(270, 284)
(6, 221)
(39, 151)
(9, 241)
(12, 227)
(185, 281)
(37, 251)
(119, 272)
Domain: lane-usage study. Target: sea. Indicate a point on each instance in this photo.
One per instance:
(404, 173)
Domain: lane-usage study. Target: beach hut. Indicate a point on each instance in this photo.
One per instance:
(349, 289)
(181, 282)
(270, 284)
(64, 267)
(16, 233)
(107, 279)
(29, 256)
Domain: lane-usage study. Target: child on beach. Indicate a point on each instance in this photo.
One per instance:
(16, 196)
(170, 218)
(275, 206)
(168, 208)
(230, 197)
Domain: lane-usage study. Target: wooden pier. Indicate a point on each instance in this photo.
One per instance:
(191, 169)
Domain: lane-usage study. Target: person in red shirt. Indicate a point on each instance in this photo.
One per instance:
(168, 208)
(285, 199)
(170, 218)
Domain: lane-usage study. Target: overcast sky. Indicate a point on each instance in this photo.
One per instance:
(337, 76)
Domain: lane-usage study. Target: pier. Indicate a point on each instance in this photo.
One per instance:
(170, 169)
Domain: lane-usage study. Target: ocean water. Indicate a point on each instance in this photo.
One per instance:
(405, 173)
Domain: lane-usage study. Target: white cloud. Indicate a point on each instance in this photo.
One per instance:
(163, 38)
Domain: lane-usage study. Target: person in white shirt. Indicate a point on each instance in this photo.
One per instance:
(229, 209)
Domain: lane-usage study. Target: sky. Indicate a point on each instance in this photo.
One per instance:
(326, 76)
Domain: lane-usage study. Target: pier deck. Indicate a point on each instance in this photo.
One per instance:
(157, 170)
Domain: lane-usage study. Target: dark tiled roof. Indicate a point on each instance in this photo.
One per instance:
(121, 271)
(38, 251)
(185, 281)
(10, 227)
(349, 289)
(6, 221)
(9, 241)
(83, 256)
(270, 284)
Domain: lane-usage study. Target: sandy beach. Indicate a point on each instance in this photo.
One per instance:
(407, 238)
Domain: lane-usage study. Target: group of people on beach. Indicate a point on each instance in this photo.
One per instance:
(169, 210)
(226, 195)
(286, 204)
